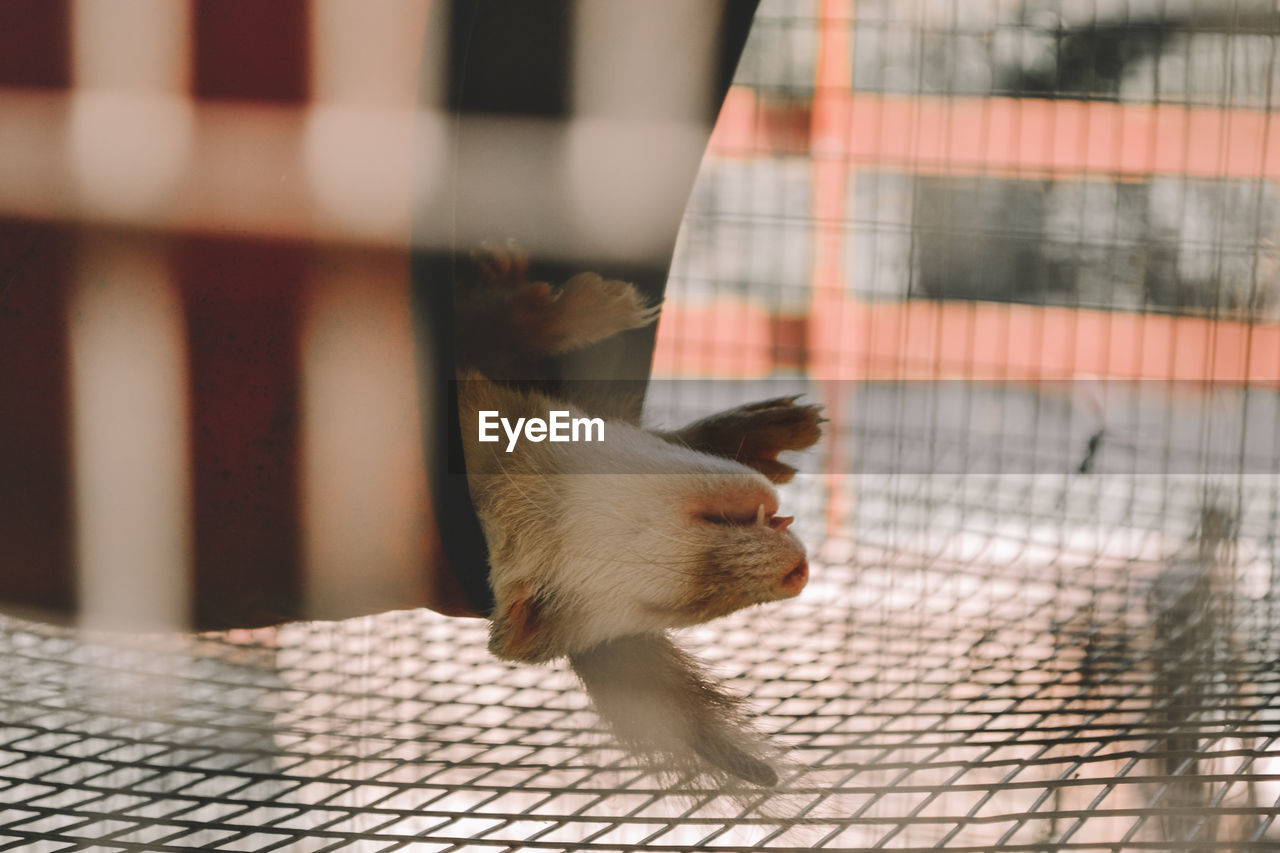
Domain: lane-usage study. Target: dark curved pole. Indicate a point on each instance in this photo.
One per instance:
(515, 59)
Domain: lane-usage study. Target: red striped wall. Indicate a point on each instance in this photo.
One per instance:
(243, 308)
(35, 44)
(251, 50)
(36, 516)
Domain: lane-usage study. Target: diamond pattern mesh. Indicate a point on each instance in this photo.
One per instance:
(925, 702)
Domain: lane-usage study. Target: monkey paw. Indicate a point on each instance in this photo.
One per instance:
(505, 267)
(756, 433)
(586, 309)
(549, 320)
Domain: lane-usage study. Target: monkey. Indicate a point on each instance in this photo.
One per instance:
(597, 550)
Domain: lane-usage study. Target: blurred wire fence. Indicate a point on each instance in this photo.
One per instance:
(1024, 254)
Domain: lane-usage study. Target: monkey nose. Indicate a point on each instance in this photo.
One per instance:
(793, 581)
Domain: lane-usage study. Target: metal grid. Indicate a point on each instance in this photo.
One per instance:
(1023, 653)
(925, 702)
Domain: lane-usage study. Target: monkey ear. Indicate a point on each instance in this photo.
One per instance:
(518, 629)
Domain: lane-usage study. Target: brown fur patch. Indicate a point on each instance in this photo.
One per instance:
(520, 633)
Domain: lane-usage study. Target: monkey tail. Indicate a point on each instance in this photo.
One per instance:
(661, 704)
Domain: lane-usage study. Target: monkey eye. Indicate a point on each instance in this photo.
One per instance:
(739, 506)
(723, 520)
(761, 517)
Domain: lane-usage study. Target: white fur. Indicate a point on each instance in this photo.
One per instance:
(597, 549)
(611, 536)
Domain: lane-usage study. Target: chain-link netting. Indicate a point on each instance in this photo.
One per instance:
(1043, 611)
(1056, 702)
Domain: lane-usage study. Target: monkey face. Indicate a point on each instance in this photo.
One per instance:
(641, 537)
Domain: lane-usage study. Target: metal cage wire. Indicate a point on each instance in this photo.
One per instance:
(1043, 609)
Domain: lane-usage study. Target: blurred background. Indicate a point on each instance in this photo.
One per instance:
(1023, 251)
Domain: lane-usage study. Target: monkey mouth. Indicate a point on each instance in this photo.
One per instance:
(793, 581)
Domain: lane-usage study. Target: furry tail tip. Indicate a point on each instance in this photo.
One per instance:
(661, 704)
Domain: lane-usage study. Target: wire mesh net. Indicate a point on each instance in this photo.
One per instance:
(1088, 705)
(1043, 609)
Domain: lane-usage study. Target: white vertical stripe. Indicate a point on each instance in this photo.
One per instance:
(364, 490)
(129, 403)
(361, 149)
(642, 79)
(644, 59)
(131, 122)
(367, 54)
(130, 132)
(131, 45)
